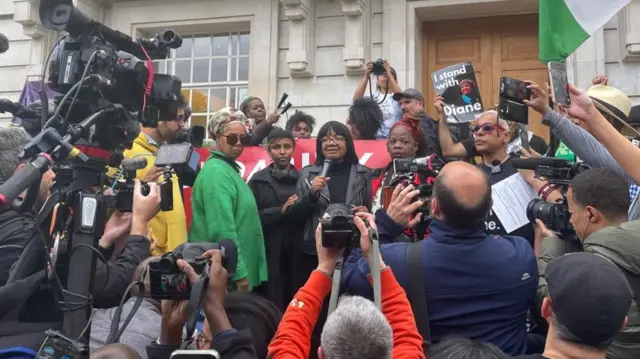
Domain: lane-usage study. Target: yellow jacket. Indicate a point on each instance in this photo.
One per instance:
(169, 228)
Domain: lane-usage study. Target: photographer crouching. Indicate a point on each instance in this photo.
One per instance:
(598, 204)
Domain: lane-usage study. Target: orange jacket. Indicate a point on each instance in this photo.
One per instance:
(292, 340)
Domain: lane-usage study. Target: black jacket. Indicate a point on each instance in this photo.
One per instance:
(279, 230)
(111, 279)
(309, 207)
(430, 129)
(14, 234)
(238, 345)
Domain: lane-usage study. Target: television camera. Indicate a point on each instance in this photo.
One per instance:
(108, 89)
(558, 173)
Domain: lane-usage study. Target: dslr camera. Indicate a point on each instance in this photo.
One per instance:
(168, 282)
(338, 228)
(378, 67)
(560, 172)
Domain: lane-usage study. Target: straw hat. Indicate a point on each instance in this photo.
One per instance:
(615, 103)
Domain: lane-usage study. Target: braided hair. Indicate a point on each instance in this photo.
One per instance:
(413, 125)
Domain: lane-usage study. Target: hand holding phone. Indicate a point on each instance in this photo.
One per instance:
(559, 83)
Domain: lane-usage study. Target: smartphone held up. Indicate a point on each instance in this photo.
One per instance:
(559, 83)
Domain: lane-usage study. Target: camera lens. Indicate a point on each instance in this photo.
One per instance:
(544, 211)
(168, 262)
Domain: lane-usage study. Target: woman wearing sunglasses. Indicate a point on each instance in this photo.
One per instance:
(223, 206)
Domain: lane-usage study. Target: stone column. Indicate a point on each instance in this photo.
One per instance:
(357, 35)
(301, 54)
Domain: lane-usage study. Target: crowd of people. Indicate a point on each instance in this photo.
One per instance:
(455, 281)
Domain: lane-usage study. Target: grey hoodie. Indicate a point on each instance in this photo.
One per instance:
(588, 149)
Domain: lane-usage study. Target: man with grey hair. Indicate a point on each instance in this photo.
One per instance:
(356, 329)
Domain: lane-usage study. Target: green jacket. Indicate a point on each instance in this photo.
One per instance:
(223, 207)
(620, 245)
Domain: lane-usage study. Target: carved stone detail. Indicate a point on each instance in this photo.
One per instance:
(629, 31)
(301, 54)
(357, 34)
(25, 12)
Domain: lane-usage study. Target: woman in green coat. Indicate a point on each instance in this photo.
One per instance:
(223, 206)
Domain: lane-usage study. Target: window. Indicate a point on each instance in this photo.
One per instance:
(214, 70)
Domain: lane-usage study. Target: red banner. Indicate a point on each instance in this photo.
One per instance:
(372, 154)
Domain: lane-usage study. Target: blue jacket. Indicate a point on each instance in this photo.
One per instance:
(477, 286)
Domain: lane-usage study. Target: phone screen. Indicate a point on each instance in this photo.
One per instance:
(195, 354)
(559, 83)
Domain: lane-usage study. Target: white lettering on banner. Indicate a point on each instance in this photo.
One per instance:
(305, 159)
(448, 78)
(260, 165)
(365, 157)
(461, 110)
(242, 168)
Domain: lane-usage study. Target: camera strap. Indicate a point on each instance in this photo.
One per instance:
(195, 304)
(114, 333)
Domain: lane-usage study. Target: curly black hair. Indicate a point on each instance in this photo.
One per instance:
(366, 116)
(298, 117)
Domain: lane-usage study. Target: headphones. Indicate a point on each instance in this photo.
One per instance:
(284, 174)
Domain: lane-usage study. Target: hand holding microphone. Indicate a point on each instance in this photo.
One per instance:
(320, 181)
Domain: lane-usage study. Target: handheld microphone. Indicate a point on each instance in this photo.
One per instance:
(532, 163)
(4, 44)
(495, 167)
(286, 108)
(230, 253)
(134, 164)
(23, 179)
(282, 100)
(325, 168)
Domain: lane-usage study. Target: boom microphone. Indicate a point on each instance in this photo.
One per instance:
(4, 44)
(286, 108)
(532, 163)
(325, 168)
(134, 164)
(282, 100)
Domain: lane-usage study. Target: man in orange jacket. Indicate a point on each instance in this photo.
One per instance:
(292, 340)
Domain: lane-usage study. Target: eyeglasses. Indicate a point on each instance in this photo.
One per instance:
(232, 139)
(336, 139)
(486, 128)
(202, 340)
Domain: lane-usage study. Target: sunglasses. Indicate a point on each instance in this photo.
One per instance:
(233, 139)
(486, 128)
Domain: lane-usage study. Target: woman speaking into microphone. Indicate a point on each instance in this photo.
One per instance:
(346, 181)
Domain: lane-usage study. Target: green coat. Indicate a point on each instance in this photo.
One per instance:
(223, 207)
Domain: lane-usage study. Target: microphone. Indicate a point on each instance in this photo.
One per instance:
(286, 108)
(532, 163)
(495, 167)
(23, 179)
(4, 44)
(282, 100)
(230, 255)
(325, 168)
(134, 164)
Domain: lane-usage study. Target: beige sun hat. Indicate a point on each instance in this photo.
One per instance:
(615, 103)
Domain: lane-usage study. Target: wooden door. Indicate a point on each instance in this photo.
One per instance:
(496, 46)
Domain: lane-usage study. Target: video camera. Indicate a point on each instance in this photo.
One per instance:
(168, 282)
(426, 167)
(556, 171)
(107, 79)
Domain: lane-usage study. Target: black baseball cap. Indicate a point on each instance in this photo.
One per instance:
(409, 93)
(589, 296)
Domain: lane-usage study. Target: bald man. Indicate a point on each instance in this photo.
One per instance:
(478, 286)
